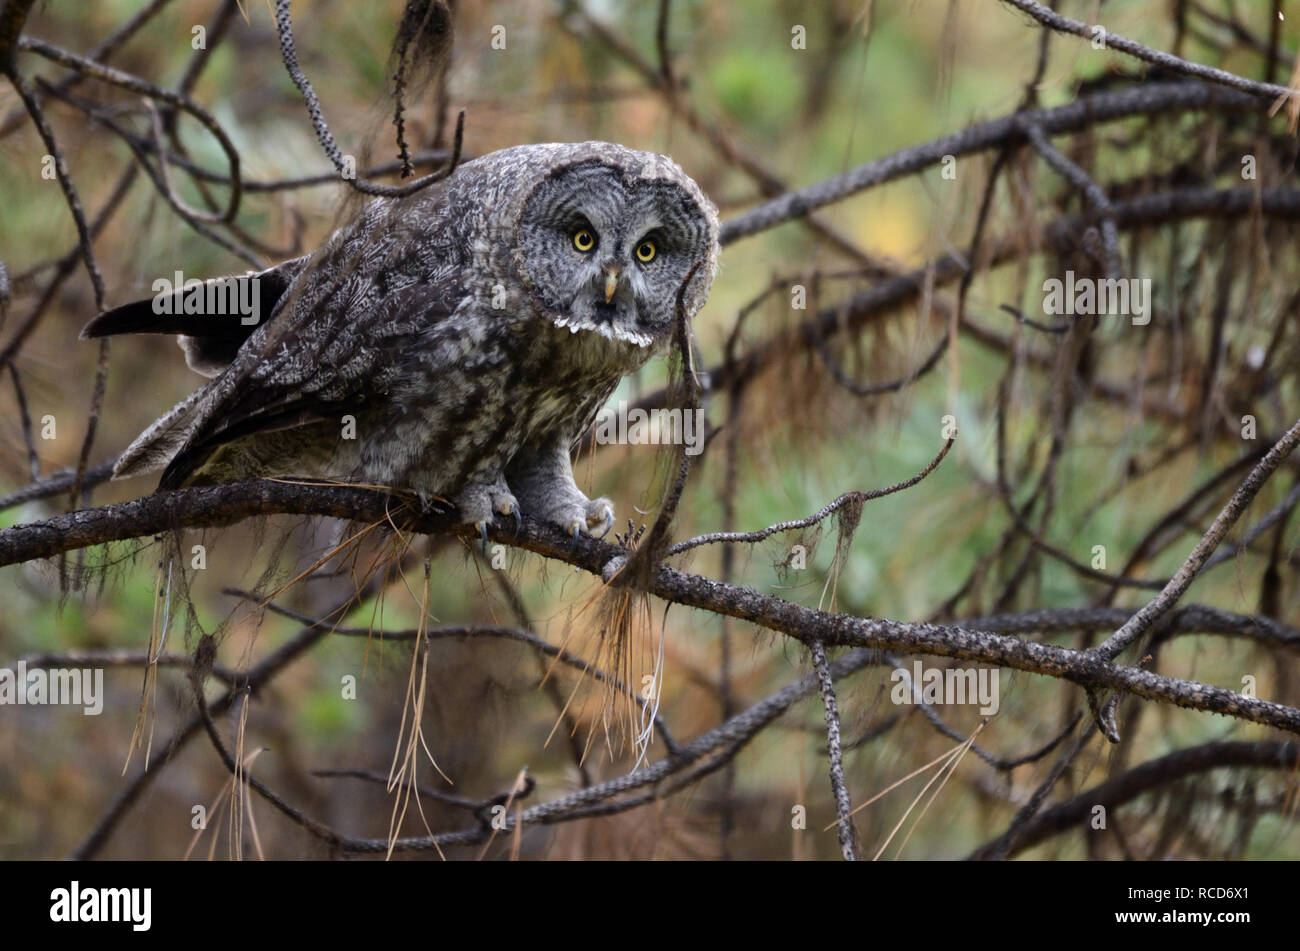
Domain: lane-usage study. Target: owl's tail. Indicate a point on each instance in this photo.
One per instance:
(154, 448)
(212, 320)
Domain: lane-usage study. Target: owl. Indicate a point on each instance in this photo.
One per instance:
(456, 342)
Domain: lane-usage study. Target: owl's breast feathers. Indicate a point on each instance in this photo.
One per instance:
(522, 383)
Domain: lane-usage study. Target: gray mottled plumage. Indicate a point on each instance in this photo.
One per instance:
(462, 327)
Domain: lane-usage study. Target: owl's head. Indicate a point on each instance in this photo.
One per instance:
(606, 239)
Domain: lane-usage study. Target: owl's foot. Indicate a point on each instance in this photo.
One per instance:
(430, 504)
(600, 515)
(543, 480)
(478, 502)
(596, 518)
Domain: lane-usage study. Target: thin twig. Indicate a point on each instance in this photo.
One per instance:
(848, 832)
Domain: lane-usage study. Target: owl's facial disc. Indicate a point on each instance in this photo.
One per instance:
(607, 256)
(607, 301)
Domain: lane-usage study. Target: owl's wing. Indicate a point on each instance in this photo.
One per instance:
(334, 345)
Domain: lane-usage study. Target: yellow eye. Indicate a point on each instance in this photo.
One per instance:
(645, 252)
(584, 240)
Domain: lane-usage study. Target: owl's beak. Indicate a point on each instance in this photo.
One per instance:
(611, 281)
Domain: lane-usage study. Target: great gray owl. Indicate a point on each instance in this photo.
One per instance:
(469, 334)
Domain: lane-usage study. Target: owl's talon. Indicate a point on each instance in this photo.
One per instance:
(483, 536)
(600, 514)
(477, 502)
(519, 520)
